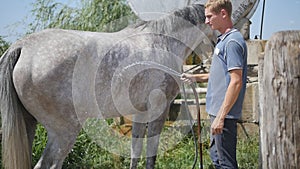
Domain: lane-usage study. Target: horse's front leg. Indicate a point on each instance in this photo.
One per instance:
(138, 134)
(154, 130)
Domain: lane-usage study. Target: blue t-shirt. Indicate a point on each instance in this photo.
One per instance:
(230, 53)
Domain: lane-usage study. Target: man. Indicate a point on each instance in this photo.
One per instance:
(226, 83)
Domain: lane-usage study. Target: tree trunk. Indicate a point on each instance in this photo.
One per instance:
(280, 117)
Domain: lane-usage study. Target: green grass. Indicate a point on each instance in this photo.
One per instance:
(87, 155)
(248, 153)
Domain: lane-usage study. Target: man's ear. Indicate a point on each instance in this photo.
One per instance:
(224, 13)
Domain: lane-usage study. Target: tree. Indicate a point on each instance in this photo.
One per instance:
(3, 46)
(89, 15)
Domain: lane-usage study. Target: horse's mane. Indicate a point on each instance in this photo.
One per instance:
(193, 14)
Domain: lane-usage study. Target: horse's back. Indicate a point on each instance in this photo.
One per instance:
(44, 71)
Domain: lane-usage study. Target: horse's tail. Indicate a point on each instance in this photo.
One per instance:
(16, 152)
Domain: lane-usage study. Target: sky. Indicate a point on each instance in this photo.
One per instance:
(279, 15)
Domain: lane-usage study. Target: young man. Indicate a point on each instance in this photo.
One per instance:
(226, 83)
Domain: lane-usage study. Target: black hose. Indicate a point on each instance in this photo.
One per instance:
(199, 125)
(191, 125)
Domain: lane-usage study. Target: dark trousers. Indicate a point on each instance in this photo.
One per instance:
(223, 146)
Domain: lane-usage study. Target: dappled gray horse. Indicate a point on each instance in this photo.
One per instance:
(61, 78)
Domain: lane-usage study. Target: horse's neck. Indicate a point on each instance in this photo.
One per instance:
(173, 38)
(180, 26)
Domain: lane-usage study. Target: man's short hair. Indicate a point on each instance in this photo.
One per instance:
(217, 5)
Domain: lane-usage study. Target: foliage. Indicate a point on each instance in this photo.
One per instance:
(40, 140)
(248, 153)
(3, 46)
(89, 15)
(87, 154)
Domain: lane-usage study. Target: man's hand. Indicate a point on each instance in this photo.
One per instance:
(217, 126)
(187, 78)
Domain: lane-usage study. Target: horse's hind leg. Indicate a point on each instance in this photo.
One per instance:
(60, 142)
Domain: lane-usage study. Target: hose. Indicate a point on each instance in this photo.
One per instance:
(191, 125)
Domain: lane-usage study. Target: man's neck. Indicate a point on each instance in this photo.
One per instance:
(227, 27)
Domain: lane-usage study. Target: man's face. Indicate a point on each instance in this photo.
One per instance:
(212, 19)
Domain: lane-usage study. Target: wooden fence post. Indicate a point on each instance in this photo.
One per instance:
(280, 119)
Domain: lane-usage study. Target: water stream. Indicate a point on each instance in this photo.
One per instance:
(156, 65)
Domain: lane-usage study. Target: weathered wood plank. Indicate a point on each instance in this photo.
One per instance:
(280, 117)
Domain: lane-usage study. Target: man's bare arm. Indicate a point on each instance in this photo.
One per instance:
(231, 96)
(189, 78)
